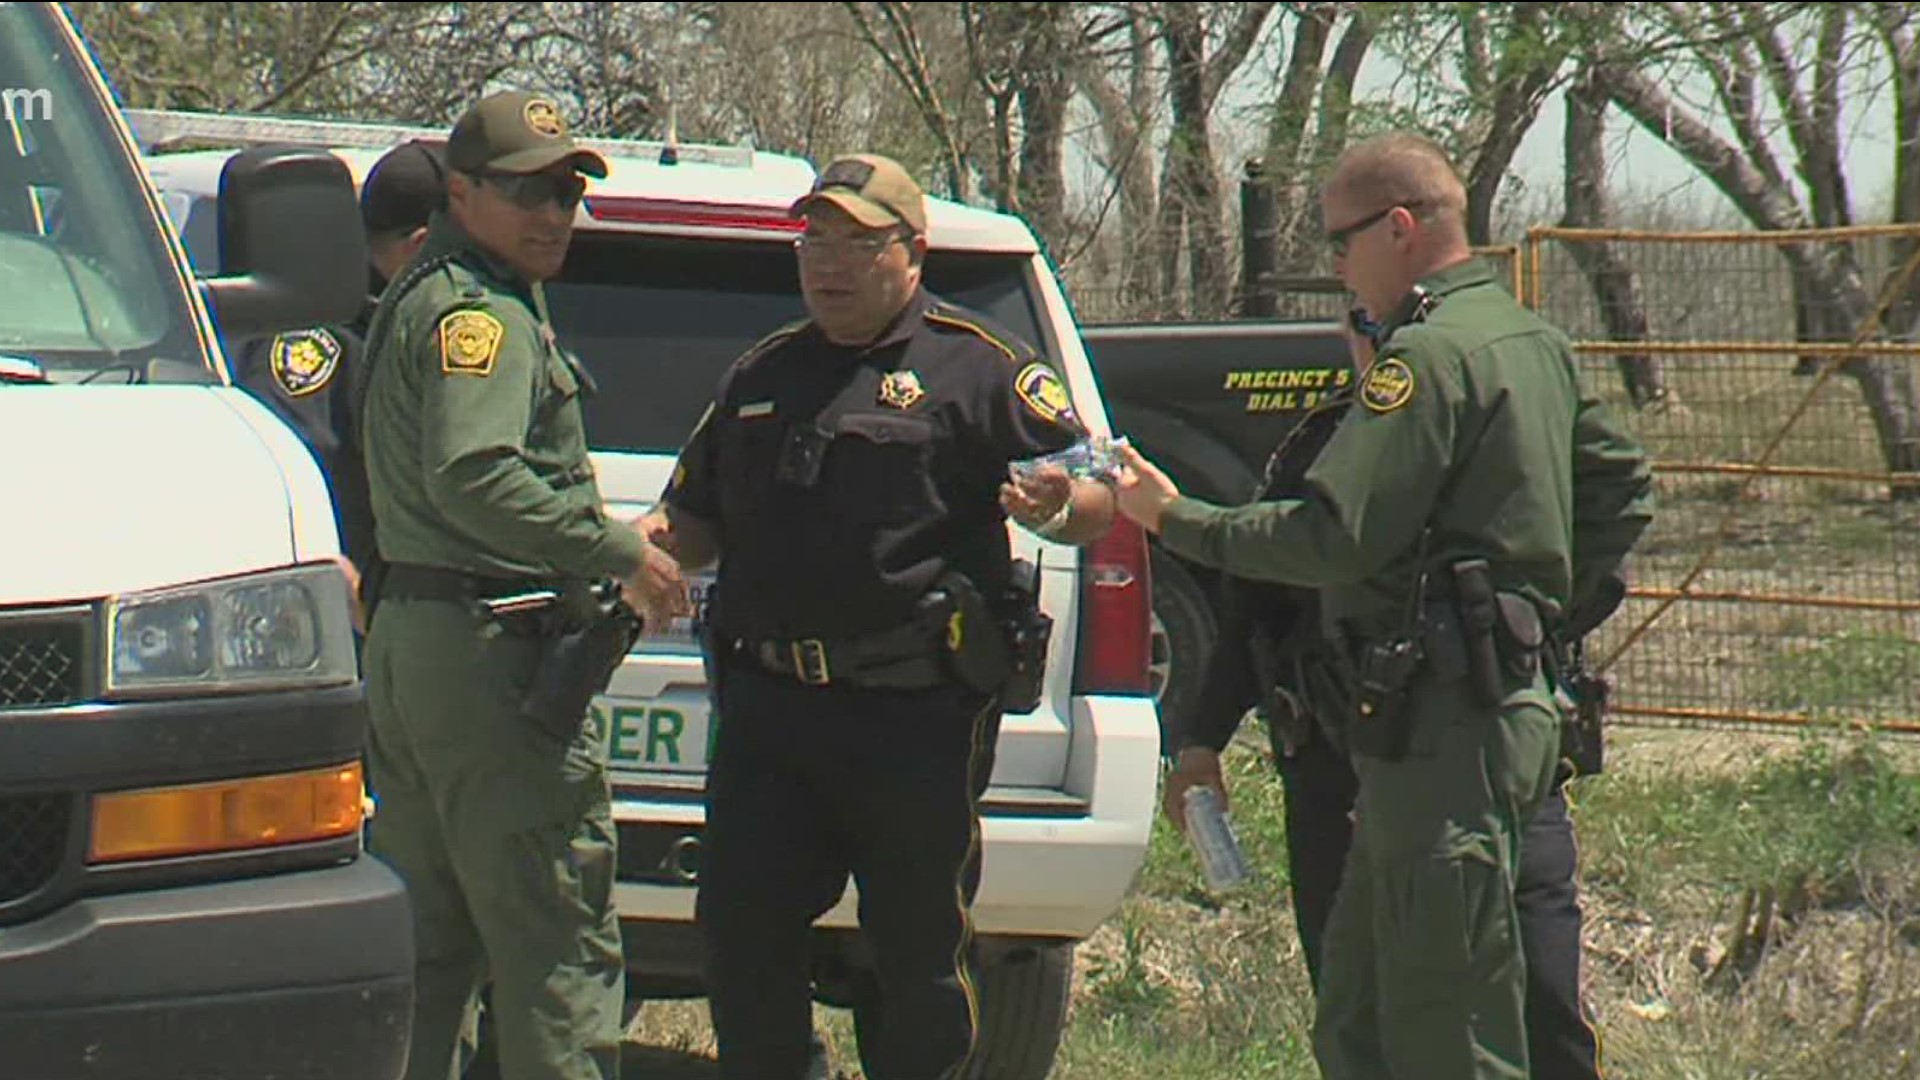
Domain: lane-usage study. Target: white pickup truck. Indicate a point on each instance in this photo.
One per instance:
(681, 260)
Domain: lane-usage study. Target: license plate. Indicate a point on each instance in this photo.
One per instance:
(670, 733)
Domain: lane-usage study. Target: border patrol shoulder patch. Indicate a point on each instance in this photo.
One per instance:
(304, 361)
(1388, 385)
(1042, 391)
(470, 342)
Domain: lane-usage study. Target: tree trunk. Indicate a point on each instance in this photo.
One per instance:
(1527, 67)
(1903, 53)
(1191, 196)
(1615, 287)
(1831, 278)
(1122, 117)
(1044, 90)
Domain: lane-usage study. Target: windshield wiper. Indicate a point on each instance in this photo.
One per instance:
(22, 370)
(134, 372)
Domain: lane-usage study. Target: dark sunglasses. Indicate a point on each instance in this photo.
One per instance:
(1337, 239)
(531, 191)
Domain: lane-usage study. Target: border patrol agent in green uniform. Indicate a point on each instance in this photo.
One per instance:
(1468, 501)
(490, 521)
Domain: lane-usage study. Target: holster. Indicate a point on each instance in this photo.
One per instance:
(1501, 632)
(1582, 698)
(577, 660)
(1029, 637)
(976, 650)
(1289, 722)
(1383, 725)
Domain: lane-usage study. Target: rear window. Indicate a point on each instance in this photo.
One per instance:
(658, 319)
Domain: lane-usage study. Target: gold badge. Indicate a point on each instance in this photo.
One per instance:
(544, 118)
(304, 361)
(1389, 385)
(901, 389)
(469, 343)
(1043, 392)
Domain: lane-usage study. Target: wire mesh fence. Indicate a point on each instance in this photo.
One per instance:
(1772, 379)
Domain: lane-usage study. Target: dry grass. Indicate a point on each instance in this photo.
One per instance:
(1752, 902)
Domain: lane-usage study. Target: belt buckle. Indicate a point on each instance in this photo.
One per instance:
(809, 654)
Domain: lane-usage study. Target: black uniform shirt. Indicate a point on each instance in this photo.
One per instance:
(302, 375)
(844, 481)
(1289, 615)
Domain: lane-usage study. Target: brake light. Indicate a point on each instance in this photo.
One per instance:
(1116, 599)
(632, 210)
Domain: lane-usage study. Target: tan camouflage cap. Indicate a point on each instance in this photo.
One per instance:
(516, 132)
(876, 190)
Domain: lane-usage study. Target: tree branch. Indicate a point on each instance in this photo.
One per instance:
(1249, 20)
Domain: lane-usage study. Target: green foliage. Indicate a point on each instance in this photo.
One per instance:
(1820, 822)
(1843, 672)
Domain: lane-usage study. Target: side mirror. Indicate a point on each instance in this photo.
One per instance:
(292, 252)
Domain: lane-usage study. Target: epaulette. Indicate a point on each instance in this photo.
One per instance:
(942, 314)
(765, 344)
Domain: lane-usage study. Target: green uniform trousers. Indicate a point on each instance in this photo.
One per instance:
(1424, 973)
(504, 837)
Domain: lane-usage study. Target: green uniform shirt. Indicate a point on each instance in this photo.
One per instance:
(1471, 419)
(475, 444)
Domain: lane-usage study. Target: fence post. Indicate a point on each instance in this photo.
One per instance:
(1259, 240)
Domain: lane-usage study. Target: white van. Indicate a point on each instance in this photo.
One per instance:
(183, 890)
(681, 260)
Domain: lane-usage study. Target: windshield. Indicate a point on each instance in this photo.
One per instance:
(657, 320)
(88, 289)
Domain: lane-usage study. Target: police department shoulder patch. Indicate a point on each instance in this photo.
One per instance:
(1043, 392)
(1388, 385)
(470, 342)
(304, 361)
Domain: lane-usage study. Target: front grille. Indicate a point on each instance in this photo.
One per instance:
(43, 660)
(33, 841)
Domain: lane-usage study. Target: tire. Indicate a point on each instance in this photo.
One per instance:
(1023, 1010)
(1184, 631)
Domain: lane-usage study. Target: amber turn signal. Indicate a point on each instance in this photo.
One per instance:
(227, 815)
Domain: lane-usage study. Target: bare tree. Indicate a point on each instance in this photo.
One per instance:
(899, 33)
(1191, 204)
(1615, 287)
(1827, 275)
(1307, 125)
(1127, 115)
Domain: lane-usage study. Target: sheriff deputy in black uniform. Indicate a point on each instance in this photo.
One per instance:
(853, 479)
(1272, 655)
(304, 375)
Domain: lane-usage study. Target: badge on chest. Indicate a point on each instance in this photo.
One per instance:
(901, 389)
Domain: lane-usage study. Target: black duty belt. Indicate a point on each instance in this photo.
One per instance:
(419, 582)
(902, 658)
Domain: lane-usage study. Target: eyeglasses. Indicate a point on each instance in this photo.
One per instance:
(1339, 238)
(531, 191)
(845, 248)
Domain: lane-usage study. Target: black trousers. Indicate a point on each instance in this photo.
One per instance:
(808, 785)
(1320, 791)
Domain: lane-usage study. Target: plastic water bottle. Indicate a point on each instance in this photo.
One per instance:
(1221, 859)
(1092, 458)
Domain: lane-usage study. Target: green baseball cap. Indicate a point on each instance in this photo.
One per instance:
(517, 131)
(876, 190)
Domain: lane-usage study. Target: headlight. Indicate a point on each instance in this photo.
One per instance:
(288, 628)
